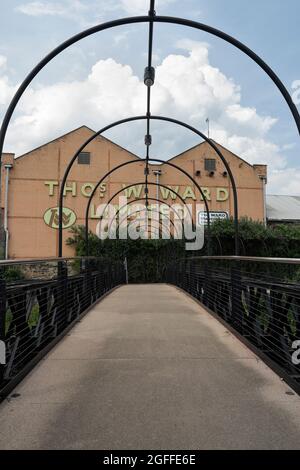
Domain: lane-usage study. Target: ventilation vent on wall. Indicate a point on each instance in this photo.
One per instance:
(210, 164)
(84, 158)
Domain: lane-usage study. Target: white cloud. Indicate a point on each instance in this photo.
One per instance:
(87, 14)
(70, 9)
(120, 38)
(187, 87)
(285, 181)
(248, 116)
(6, 89)
(77, 11)
(141, 7)
(3, 61)
(41, 9)
(289, 146)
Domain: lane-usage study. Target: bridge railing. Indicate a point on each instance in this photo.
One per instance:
(258, 298)
(40, 300)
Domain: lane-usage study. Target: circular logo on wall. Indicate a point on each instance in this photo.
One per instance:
(51, 217)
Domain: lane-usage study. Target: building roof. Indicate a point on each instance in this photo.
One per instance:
(100, 136)
(218, 145)
(283, 208)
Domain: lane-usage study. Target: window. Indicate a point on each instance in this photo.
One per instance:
(210, 164)
(84, 158)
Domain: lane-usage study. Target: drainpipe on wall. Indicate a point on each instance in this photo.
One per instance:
(7, 168)
(264, 181)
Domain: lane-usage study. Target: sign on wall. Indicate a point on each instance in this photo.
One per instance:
(202, 217)
(51, 217)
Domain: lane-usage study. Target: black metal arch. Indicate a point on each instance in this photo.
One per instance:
(150, 19)
(161, 118)
(131, 202)
(151, 184)
(152, 160)
(148, 210)
(144, 200)
(146, 19)
(160, 223)
(139, 199)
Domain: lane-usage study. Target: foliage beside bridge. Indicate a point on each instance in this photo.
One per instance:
(282, 241)
(147, 259)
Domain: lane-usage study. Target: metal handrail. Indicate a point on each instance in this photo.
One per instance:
(225, 258)
(245, 258)
(43, 260)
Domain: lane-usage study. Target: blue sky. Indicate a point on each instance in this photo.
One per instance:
(99, 79)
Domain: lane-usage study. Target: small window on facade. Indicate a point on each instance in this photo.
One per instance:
(210, 164)
(84, 158)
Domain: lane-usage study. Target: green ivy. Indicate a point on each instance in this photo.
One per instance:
(11, 273)
(147, 259)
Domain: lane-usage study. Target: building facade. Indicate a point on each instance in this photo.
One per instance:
(30, 187)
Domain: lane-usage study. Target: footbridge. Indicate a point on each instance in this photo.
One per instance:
(95, 363)
(209, 358)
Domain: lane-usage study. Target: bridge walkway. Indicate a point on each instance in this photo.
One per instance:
(148, 368)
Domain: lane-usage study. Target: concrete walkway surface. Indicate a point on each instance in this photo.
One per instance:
(148, 368)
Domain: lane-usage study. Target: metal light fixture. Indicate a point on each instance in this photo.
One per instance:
(148, 139)
(149, 76)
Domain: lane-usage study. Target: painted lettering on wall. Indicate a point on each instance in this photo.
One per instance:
(75, 189)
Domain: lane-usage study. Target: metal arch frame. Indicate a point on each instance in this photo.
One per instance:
(146, 19)
(152, 160)
(151, 184)
(151, 14)
(161, 118)
(150, 19)
(131, 202)
(160, 222)
(161, 228)
(143, 227)
(148, 210)
(145, 208)
(144, 200)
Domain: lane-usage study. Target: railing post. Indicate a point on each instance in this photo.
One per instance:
(206, 282)
(183, 275)
(81, 265)
(87, 283)
(236, 296)
(192, 280)
(126, 269)
(2, 328)
(63, 293)
(109, 277)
